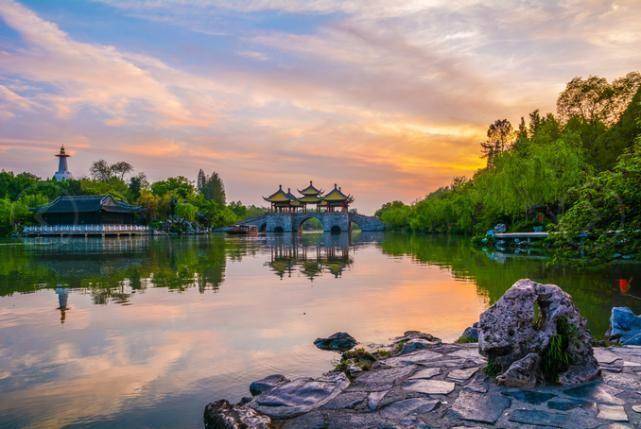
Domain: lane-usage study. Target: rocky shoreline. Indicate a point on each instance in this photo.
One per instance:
(528, 370)
(444, 386)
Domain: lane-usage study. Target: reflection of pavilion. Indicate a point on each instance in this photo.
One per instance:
(311, 256)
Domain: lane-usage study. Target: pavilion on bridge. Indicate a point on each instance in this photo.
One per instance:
(285, 202)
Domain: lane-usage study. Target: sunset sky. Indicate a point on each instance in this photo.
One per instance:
(388, 99)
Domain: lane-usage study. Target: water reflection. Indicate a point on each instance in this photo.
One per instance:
(143, 332)
(309, 255)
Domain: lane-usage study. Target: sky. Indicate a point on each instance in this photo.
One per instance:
(389, 99)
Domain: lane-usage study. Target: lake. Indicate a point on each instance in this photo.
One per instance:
(137, 333)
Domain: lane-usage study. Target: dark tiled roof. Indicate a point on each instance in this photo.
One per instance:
(87, 204)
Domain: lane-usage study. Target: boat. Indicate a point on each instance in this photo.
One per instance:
(239, 229)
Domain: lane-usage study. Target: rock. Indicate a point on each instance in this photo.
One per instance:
(414, 345)
(420, 356)
(412, 406)
(412, 335)
(266, 384)
(530, 396)
(566, 404)
(431, 387)
(340, 341)
(515, 340)
(381, 379)
(625, 326)
(346, 400)
(426, 373)
(612, 412)
(605, 356)
(300, 395)
(478, 407)
(470, 334)
(222, 415)
(462, 375)
(595, 392)
(375, 398)
(550, 419)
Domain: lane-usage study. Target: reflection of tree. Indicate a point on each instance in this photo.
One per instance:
(311, 255)
(110, 270)
(592, 290)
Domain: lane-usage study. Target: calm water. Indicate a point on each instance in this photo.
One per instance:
(142, 333)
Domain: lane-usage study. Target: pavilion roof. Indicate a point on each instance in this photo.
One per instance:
(311, 199)
(310, 190)
(336, 195)
(87, 204)
(281, 196)
(292, 198)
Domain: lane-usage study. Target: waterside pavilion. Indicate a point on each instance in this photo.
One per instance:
(286, 202)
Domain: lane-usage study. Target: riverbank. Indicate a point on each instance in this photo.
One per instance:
(445, 386)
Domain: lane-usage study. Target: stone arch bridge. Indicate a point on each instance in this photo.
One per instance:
(335, 222)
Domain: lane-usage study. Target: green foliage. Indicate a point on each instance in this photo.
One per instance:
(358, 357)
(556, 359)
(180, 187)
(395, 215)
(550, 166)
(464, 339)
(212, 187)
(606, 214)
(174, 197)
(492, 369)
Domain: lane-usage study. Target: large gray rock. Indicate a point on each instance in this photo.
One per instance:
(340, 341)
(300, 395)
(266, 384)
(222, 415)
(516, 340)
(625, 326)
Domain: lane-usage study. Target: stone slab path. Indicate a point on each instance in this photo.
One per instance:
(445, 387)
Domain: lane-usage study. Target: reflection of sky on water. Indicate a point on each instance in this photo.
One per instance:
(207, 316)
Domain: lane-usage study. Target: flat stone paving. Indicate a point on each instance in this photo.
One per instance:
(445, 387)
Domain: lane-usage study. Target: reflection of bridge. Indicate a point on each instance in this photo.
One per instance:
(335, 222)
(311, 256)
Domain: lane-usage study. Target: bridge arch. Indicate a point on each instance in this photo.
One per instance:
(304, 217)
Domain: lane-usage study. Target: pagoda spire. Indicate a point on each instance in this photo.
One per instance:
(63, 170)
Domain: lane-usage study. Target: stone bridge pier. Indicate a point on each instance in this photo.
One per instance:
(335, 223)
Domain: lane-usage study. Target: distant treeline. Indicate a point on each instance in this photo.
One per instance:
(577, 173)
(203, 203)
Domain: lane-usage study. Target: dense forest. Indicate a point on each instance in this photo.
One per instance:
(576, 173)
(171, 203)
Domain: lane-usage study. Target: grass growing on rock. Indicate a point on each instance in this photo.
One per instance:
(464, 339)
(492, 369)
(358, 357)
(556, 359)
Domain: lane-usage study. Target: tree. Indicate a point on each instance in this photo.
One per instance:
(121, 168)
(201, 181)
(136, 185)
(101, 170)
(499, 136)
(214, 189)
(596, 100)
(178, 186)
(535, 122)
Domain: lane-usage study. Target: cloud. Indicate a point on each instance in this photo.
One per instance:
(86, 74)
(388, 98)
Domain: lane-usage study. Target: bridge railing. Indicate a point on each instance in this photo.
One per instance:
(84, 229)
